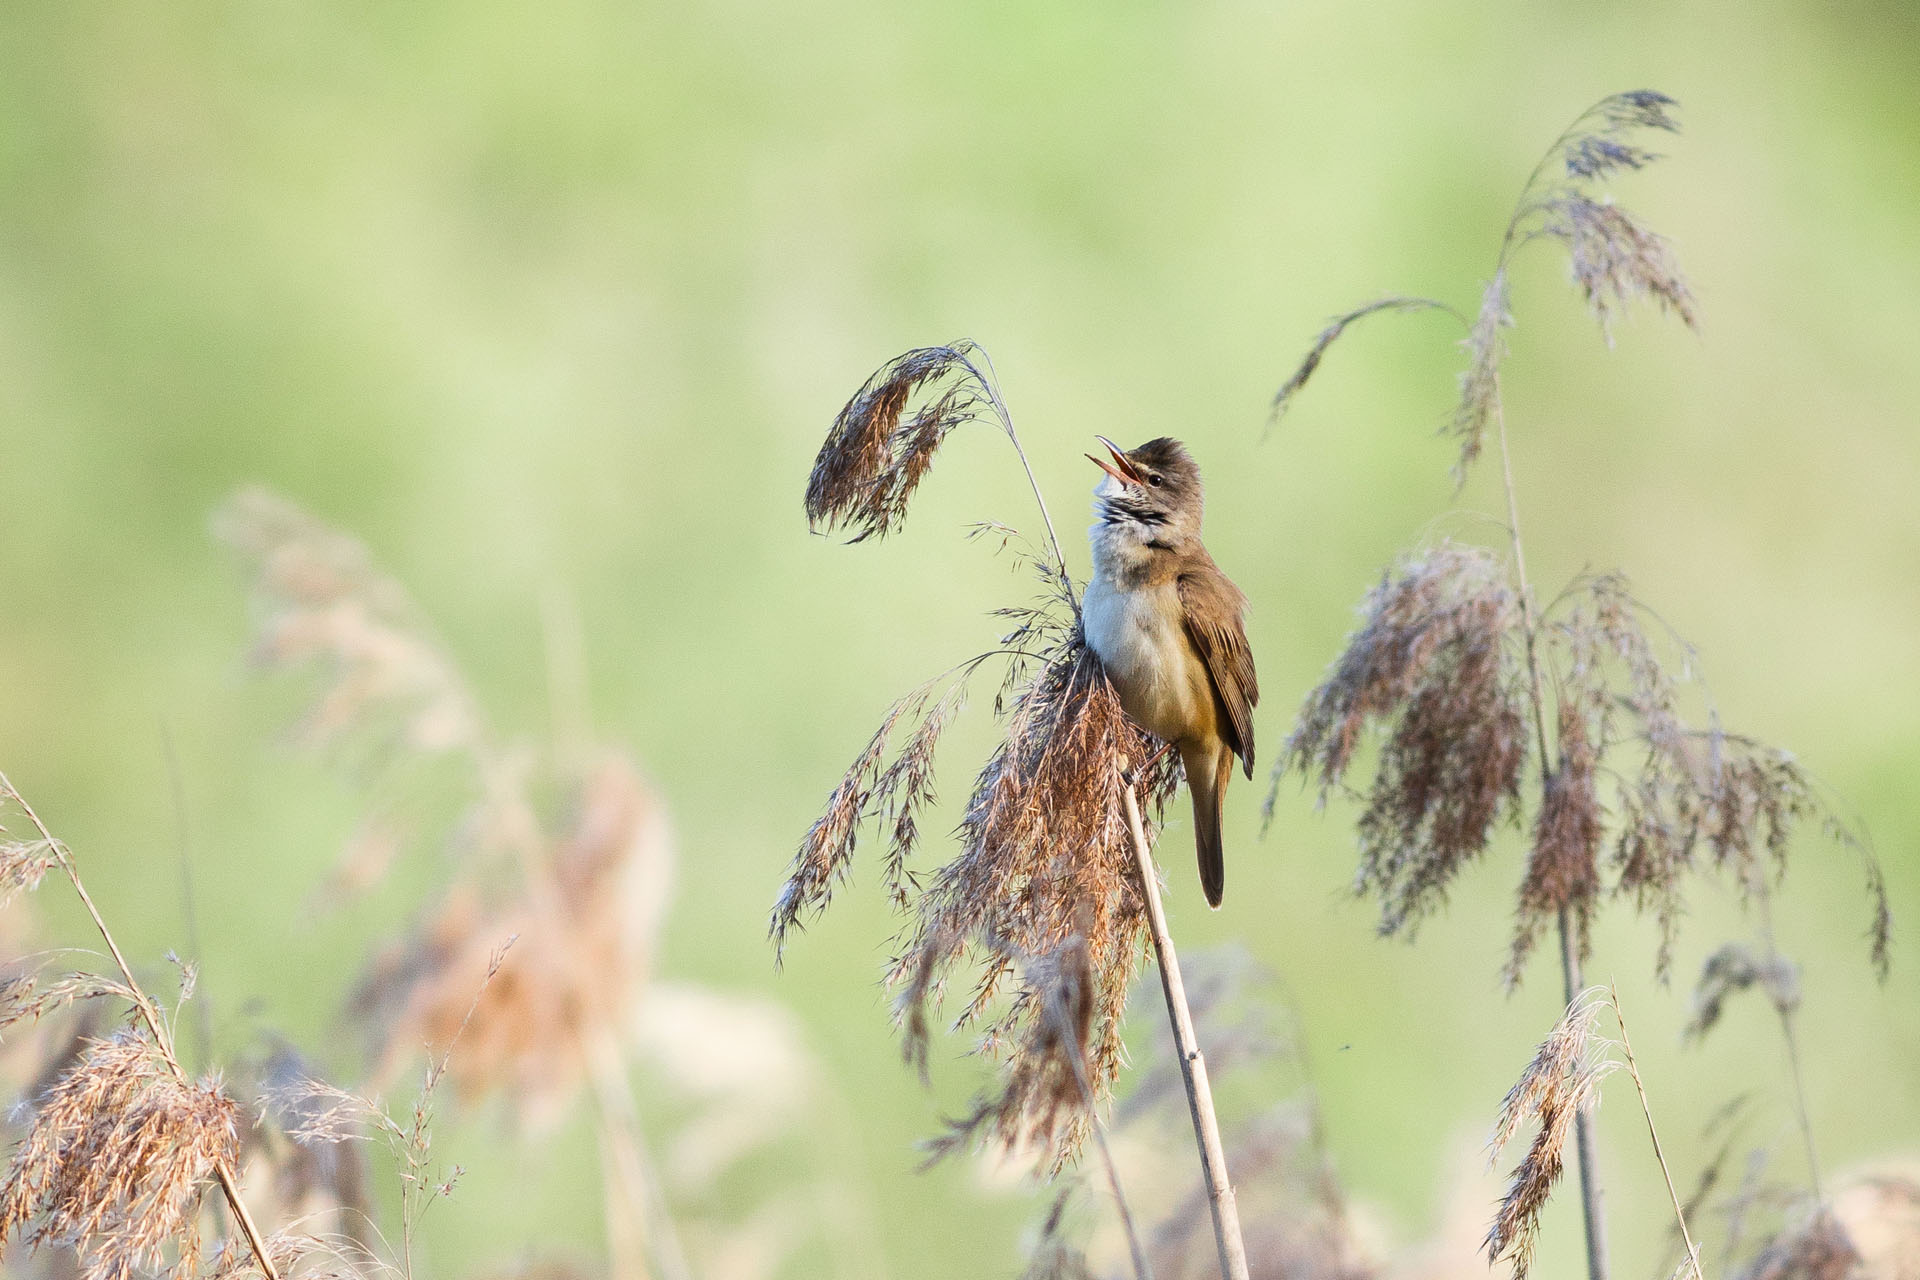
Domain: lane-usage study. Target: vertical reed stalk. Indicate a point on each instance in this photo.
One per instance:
(150, 1014)
(1193, 1066)
(623, 1153)
(1592, 1196)
(1633, 1069)
(1785, 1009)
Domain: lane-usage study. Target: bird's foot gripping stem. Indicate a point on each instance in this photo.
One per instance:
(1134, 775)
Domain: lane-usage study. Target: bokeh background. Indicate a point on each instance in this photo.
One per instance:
(552, 304)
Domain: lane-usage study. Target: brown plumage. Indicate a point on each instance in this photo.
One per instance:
(1169, 628)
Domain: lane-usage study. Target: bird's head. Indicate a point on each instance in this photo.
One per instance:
(1153, 490)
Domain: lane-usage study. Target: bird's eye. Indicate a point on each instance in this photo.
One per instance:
(1153, 478)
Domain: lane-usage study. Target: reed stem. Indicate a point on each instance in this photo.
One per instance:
(1592, 1196)
(1193, 1066)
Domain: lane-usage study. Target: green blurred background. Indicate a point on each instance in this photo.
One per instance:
(557, 301)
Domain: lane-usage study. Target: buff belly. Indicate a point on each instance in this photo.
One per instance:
(1141, 640)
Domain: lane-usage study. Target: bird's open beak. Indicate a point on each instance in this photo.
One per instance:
(1121, 469)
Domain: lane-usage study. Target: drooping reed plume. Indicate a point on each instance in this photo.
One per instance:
(117, 1160)
(1556, 1092)
(1458, 665)
(565, 848)
(122, 1145)
(1042, 884)
(581, 882)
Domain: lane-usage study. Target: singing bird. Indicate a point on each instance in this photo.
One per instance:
(1169, 628)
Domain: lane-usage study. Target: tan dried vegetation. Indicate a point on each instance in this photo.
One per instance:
(1043, 874)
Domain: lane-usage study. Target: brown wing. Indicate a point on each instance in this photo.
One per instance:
(1213, 608)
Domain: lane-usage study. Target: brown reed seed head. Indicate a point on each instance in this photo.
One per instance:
(1045, 869)
(1038, 1103)
(1561, 1082)
(875, 456)
(584, 943)
(1563, 867)
(116, 1160)
(1695, 798)
(1432, 665)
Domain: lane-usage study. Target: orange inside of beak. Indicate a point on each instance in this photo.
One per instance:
(1121, 469)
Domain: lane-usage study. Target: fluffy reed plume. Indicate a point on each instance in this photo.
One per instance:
(1558, 1090)
(582, 884)
(117, 1160)
(566, 850)
(122, 1144)
(1433, 665)
(1044, 873)
(1561, 1082)
(1612, 256)
(1632, 800)
(1040, 1092)
(586, 929)
(1563, 867)
(1454, 662)
(875, 456)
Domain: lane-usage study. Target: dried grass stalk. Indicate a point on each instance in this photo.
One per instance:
(117, 1160)
(1310, 363)
(1561, 1082)
(1432, 665)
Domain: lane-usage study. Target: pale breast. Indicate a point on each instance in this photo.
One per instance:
(1142, 642)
